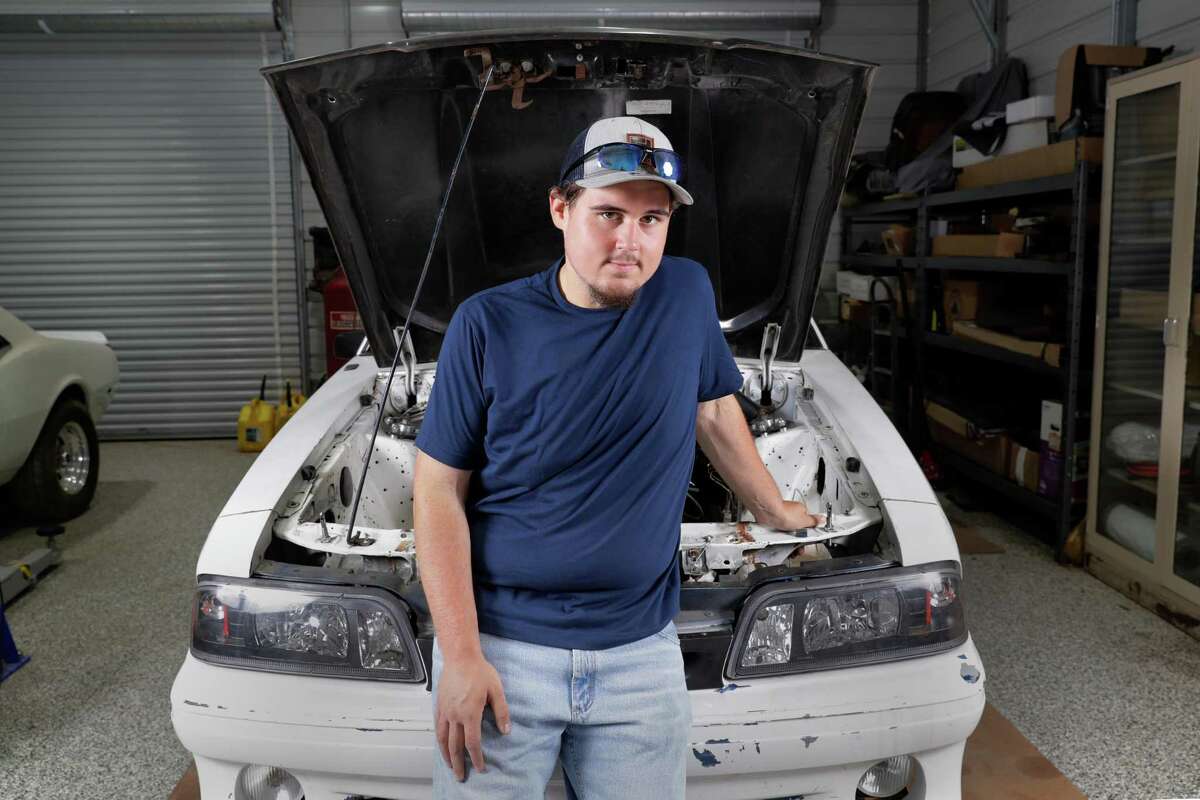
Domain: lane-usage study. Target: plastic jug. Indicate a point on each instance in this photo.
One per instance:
(256, 422)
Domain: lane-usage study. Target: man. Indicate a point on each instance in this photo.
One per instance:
(554, 461)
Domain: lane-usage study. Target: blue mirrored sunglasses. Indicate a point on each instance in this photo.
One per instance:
(627, 157)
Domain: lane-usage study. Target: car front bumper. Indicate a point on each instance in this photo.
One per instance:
(811, 735)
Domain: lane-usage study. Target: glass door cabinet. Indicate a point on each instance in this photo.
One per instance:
(1143, 520)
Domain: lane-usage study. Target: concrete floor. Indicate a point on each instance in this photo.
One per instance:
(1105, 689)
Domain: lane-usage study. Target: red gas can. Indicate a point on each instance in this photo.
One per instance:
(341, 316)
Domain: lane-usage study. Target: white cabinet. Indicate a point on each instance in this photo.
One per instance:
(1143, 521)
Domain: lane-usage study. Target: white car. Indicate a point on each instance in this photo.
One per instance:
(833, 662)
(54, 387)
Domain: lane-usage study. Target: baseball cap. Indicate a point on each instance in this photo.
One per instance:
(586, 164)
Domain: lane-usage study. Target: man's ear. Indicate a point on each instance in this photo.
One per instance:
(558, 209)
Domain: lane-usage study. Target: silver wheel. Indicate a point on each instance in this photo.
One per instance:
(73, 459)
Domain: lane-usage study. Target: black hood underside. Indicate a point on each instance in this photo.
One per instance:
(765, 134)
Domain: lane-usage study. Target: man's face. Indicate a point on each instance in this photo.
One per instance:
(613, 237)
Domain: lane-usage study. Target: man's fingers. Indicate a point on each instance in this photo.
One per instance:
(474, 746)
(500, 709)
(443, 734)
(456, 751)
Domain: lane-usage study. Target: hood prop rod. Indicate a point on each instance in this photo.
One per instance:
(358, 540)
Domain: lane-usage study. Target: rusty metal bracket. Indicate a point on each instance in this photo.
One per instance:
(509, 76)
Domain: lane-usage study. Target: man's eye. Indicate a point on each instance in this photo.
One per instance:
(609, 215)
(650, 220)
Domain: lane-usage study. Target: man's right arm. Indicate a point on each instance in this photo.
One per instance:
(468, 682)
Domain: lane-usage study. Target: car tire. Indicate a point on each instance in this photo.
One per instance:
(41, 491)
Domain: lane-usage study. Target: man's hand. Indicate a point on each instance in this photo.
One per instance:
(725, 438)
(794, 516)
(464, 688)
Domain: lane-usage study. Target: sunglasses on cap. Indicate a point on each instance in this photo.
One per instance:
(626, 157)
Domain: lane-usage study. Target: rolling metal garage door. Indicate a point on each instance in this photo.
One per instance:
(145, 192)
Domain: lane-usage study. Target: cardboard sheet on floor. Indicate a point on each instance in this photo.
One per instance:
(1001, 763)
(971, 542)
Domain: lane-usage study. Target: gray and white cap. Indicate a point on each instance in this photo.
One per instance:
(586, 166)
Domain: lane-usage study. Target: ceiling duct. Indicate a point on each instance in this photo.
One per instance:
(54, 17)
(428, 16)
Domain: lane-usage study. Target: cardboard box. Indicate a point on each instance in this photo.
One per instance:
(1050, 432)
(851, 310)
(857, 286)
(960, 301)
(1144, 308)
(956, 433)
(1023, 466)
(999, 245)
(1050, 472)
(1089, 55)
(1040, 106)
(1050, 352)
(1017, 138)
(1040, 162)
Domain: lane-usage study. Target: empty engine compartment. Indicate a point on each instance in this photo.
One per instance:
(799, 442)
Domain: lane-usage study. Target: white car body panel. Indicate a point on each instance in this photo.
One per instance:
(812, 733)
(35, 370)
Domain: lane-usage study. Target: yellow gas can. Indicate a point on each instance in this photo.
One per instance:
(288, 406)
(256, 422)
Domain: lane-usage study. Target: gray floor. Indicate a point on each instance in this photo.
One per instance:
(1105, 689)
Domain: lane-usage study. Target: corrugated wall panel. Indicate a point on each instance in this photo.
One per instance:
(1038, 32)
(882, 32)
(1162, 23)
(957, 46)
(885, 32)
(145, 192)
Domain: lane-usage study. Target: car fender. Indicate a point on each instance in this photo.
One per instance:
(243, 528)
(35, 372)
(909, 504)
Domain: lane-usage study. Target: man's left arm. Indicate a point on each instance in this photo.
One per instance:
(725, 438)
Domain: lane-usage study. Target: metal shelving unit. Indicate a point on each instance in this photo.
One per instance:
(1080, 187)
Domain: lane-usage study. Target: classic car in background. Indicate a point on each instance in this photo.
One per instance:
(54, 387)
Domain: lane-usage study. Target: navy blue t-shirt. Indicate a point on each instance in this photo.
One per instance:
(579, 426)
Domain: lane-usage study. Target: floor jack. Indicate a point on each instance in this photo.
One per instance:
(16, 578)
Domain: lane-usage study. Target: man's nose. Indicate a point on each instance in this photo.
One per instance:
(627, 234)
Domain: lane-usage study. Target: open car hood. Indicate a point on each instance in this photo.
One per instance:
(765, 133)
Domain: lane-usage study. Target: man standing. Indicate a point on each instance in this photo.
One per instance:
(554, 461)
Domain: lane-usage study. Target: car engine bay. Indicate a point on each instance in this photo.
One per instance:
(720, 544)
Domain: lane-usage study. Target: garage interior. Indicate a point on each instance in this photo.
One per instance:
(1010, 275)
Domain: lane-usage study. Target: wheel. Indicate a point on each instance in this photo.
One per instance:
(58, 480)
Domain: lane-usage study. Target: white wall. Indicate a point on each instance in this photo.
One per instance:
(883, 32)
(1039, 31)
(1169, 22)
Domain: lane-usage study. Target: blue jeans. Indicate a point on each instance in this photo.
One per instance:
(618, 719)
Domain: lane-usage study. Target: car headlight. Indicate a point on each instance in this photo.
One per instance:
(825, 623)
(304, 628)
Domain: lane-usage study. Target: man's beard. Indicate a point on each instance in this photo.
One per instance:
(605, 300)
